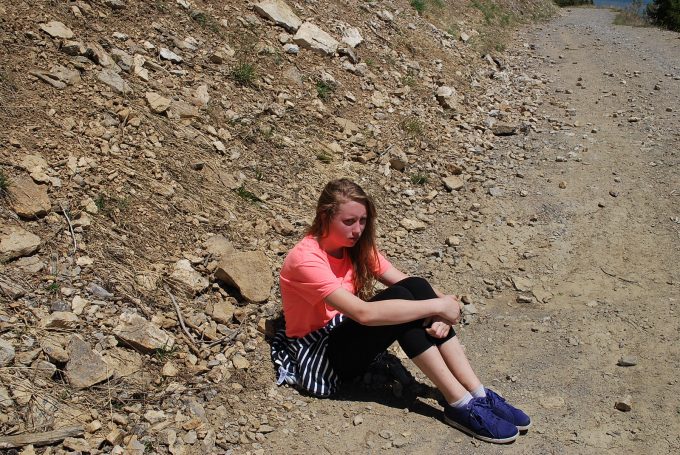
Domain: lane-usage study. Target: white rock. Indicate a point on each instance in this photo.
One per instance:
(6, 352)
(309, 36)
(453, 183)
(279, 12)
(16, 242)
(167, 54)
(57, 29)
(352, 37)
(191, 280)
(133, 330)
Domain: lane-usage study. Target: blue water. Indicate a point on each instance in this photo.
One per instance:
(617, 3)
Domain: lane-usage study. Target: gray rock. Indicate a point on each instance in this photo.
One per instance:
(115, 4)
(99, 292)
(16, 242)
(114, 81)
(28, 199)
(135, 331)
(311, 37)
(124, 60)
(504, 129)
(97, 54)
(279, 12)
(73, 48)
(250, 272)
(6, 352)
(57, 29)
(86, 367)
(627, 361)
(522, 284)
(167, 54)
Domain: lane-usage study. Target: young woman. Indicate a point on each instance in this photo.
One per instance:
(335, 329)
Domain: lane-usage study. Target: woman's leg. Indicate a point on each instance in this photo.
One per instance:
(451, 351)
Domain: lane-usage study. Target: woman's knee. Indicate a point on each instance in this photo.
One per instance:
(419, 287)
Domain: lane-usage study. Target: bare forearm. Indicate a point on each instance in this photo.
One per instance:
(397, 311)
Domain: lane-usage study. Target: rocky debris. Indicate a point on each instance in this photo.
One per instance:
(352, 37)
(522, 284)
(191, 281)
(624, 404)
(504, 129)
(167, 54)
(16, 242)
(249, 272)
(222, 312)
(6, 353)
(311, 37)
(138, 333)
(157, 103)
(218, 246)
(114, 81)
(85, 367)
(446, 96)
(627, 361)
(412, 225)
(60, 320)
(279, 12)
(57, 29)
(29, 200)
(453, 183)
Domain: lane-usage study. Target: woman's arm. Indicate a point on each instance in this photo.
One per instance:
(393, 311)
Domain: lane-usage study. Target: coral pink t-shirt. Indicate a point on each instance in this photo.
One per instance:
(308, 276)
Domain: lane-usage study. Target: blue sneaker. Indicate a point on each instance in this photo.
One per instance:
(506, 411)
(477, 419)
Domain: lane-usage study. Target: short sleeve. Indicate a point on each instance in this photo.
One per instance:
(383, 265)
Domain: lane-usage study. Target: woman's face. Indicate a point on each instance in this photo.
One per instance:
(347, 225)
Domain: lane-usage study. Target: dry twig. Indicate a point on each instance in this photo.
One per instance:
(179, 315)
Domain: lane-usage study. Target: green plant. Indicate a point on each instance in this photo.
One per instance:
(665, 13)
(493, 13)
(409, 80)
(163, 353)
(100, 202)
(52, 288)
(258, 174)
(418, 5)
(419, 179)
(369, 62)
(247, 195)
(633, 14)
(244, 73)
(324, 89)
(4, 185)
(412, 126)
(324, 157)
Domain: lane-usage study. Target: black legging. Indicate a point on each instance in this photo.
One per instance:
(352, 346)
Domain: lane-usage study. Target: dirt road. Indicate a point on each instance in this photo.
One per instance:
(573, 270)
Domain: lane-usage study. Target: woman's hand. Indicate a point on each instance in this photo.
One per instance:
(437, 327)
(451, 309)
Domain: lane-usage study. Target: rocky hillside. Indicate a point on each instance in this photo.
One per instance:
(158, 158)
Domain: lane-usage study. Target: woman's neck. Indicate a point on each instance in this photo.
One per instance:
(332, 250)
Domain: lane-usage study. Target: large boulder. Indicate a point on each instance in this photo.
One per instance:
(28, 199)
(279, 12)
(311, 37)
(16, 242)
(135, 331)
(249, 272)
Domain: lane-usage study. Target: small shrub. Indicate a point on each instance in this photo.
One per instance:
(324, 89)
(324, 157)
(247, 195)
(665, 13)
(244, 73)
(162, 354)
(418, 5)
(409, 80)
(412, 126)
(419, 179)
(100, 202)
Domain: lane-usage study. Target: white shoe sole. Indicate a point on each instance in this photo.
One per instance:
(466, 430)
